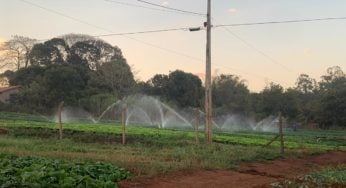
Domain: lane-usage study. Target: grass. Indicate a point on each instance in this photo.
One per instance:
(152, 151)
(328, 177)
(324, 140)
(140, 159)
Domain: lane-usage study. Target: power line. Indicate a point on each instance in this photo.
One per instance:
(248, 44)
(64, 15)
(111, 32)
(144, 32)
(138, 6)
(170, 8)
(124, 35)
(282, 22)
(137, 32)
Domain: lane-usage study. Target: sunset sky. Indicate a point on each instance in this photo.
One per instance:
(259, 54)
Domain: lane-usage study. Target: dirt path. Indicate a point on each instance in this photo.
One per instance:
(254, 175)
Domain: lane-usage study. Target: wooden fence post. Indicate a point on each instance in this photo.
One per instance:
(282, 146)
(124, 125)
(60, 119)
(196, 125)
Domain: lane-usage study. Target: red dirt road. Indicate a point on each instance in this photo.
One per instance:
(254, 175)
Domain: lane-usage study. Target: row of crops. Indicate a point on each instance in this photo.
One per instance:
(41, 172)
(320, 139)
(329, 177)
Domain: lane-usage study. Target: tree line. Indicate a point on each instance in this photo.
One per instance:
(90, 73)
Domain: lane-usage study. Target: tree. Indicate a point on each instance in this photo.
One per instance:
(91, 51)
(332, 111)
(159, 85)
(272, 99)
(116, 77)
(231, 95)
(333, 73)
(305, 84)
(54, 51)
(185, 89)
(307, 95)
(43, 88)
(16, 51)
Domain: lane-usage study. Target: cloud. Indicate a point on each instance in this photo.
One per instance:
(232, 11)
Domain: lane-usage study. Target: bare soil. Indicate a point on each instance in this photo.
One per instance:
(247, 175)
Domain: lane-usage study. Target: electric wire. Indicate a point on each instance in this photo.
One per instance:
(281, 22)
(109, 31)
(144, 32)
(138, 6)
(253, 47)
(170, 8)
(140, 32)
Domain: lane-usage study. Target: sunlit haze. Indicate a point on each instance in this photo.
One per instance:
(259, 54)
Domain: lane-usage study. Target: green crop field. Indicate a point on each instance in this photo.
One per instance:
(149, 151)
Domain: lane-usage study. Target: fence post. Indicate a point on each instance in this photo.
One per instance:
(196, 125)
(60, 119)
(282, 146)
(123, 115)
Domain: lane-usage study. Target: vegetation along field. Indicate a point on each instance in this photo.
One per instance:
(92, 154)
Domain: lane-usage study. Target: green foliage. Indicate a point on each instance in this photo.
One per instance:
(74, 72)
(54, 51)
(153, 150)
(83, 71)
(322, 140)
(230, 95)
(184, 88)
(333, 104)
(117, 77)
(41, 172)
(55, 83)
(329, 177)
(97, 103)
(181, 88)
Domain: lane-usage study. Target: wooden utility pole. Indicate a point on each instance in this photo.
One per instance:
(282, 147)
(208, 92)
(60, 118)
(123, 121)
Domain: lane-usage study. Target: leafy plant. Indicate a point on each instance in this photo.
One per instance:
(40, 172)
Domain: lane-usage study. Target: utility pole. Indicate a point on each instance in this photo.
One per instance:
(208, 92)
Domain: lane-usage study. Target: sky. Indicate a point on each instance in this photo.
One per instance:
(259, 54)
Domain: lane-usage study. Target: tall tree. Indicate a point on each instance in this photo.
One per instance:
(333, 73)
(159, 84)
(272, 98)
(116, 77)
(185, 89)
(54, 51)
(305, 84)
(16, 51)
(333, 98)
(231, 95)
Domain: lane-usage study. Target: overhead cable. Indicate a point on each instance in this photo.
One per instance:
(170, 8)
(281, 22)
(138, 6)
(248, 44)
